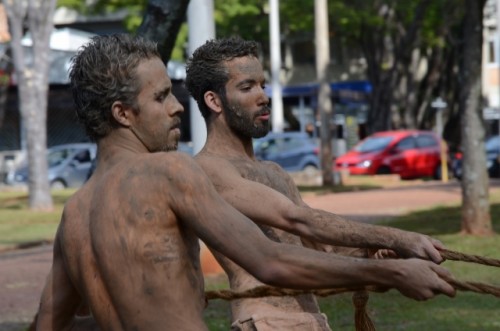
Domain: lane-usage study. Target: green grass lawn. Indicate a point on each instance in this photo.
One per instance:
(18, 225)
(389, 311)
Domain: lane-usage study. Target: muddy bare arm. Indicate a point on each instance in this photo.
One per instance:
(269, 207)
(229, 232)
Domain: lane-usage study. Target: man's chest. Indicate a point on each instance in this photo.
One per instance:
(267, 175)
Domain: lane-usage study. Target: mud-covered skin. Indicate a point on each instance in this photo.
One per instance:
(266, 194)
(130, 271)
(126, 249)
(271, 175)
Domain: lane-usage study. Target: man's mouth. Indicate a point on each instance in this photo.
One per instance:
(264, 114)
(176, 125)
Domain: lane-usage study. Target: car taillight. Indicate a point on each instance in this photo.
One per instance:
(458, 156)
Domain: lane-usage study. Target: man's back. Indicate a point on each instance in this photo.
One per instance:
(125, 251)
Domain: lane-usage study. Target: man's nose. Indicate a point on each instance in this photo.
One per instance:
(264, 99)
(177, 107)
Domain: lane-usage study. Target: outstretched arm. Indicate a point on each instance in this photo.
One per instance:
(60, 301)
(197, 204)
(265, 205)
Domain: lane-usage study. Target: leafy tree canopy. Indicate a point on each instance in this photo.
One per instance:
(250, 18)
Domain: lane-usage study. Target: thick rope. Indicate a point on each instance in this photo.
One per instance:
(474, 287)
(360, 296)
(362, 320)
(267, 291)
(457, 256)
(262, 291)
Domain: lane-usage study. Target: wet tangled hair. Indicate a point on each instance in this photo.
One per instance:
(104, 71)
(206, 70)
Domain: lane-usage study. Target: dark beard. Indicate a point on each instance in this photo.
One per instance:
(242, 123)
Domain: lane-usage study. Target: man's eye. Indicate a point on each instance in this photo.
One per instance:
(161, 97)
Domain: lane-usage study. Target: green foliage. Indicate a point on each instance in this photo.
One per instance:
(179, 51)
(19, 225)
(135, 9)
(247, 19)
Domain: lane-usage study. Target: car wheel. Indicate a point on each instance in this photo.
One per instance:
(57, 185)
(494, 170)
(310, 169)
(437, 173)
(384, 170)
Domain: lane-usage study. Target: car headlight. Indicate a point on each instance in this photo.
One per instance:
(364, 164)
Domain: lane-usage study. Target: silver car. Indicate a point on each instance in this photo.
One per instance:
(68, 165)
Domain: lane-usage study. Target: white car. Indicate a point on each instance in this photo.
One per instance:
(68, 165)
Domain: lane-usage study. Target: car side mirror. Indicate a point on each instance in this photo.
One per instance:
(394, 151)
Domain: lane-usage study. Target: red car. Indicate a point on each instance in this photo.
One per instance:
(408, 153)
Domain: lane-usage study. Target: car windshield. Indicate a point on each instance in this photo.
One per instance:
(56, 157)
(373, 144)
(493, 144)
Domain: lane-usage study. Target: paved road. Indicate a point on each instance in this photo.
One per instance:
(373, 205)
(22, 272)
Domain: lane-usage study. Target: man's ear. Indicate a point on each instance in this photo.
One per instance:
(121, 113)
(213, 101)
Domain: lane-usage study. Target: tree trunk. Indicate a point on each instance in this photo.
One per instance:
(324, 101)
(161, 23)
(32, 84)
(476, 219)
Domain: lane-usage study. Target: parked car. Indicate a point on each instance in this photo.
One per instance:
(408, 153)
(293, 151)
(492, 149)
(68, 165)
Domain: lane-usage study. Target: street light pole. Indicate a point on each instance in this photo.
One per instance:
(201, 28)
(275, 43)
(439, 105)
(497, 59)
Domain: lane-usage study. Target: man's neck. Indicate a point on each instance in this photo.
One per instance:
(223, 141)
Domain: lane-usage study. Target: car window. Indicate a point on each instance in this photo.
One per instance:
(373, 144)
(426, 141)
(268, 146)
(55, 158)
(406, 143)
(493, 144)
(83, 156)
(292, 143)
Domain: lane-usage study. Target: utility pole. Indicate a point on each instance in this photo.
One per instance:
(324, 101)
(497, 59)
(275, 45)
(440, 105)
(201, 28)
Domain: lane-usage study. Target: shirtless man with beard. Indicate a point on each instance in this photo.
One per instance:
(127, 247)
(226, 79)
